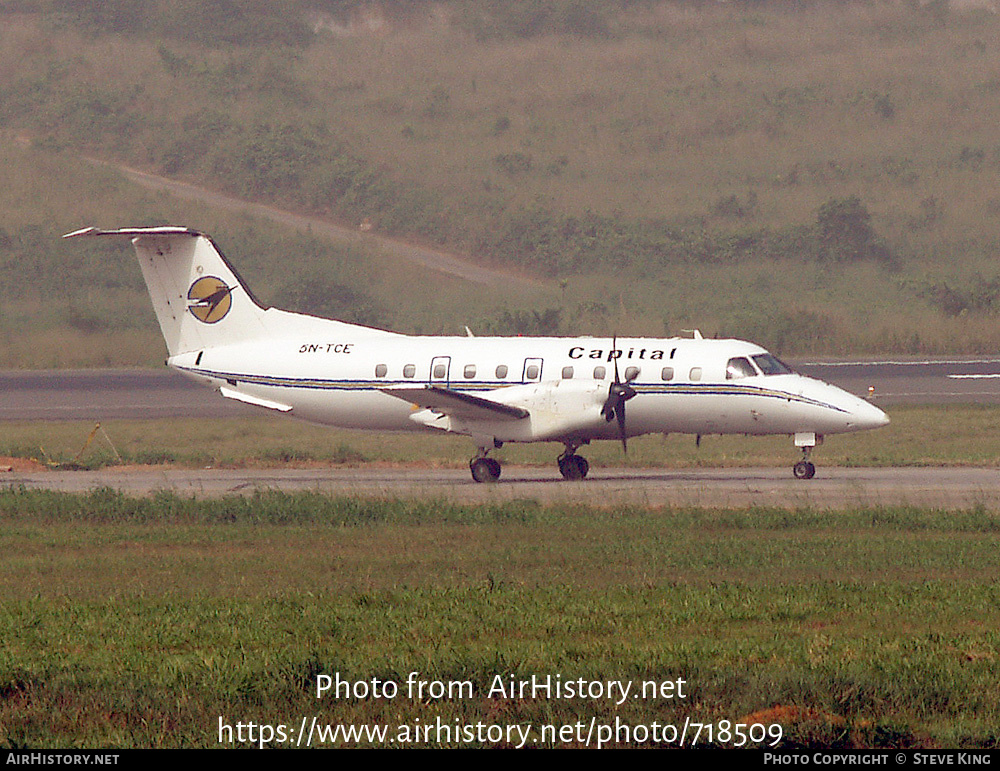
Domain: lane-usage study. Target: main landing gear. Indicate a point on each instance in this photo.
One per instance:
(485, 469)
(571, 465)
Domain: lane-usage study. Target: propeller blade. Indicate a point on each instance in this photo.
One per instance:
(625, 392)
(620, 412)
(608, 410)
(618, 394)
(614, 354)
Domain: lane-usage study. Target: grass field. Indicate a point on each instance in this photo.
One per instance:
(913, 438)
(147, 622)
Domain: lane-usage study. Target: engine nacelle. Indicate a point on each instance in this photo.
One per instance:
(556, 409)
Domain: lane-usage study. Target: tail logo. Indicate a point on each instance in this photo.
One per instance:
(209, 299)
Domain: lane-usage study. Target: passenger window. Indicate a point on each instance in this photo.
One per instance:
(631, 373)
(567, 373)
(600, 373)
(440, 370)
(501, 372)
(410, 370)
(667, 373)
(381, 370)
(738, 367)
(696, 373)
(470, 371)
(531, 372)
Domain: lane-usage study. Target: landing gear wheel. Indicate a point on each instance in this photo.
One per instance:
(573, 467)
(485, 469)
(804, 470)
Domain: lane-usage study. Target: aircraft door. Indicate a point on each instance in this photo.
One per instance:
(532, 370)
(440, 370)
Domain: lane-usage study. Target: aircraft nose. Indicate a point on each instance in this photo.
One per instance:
(865, 415)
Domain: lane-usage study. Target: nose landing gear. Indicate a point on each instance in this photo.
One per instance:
(805, 469)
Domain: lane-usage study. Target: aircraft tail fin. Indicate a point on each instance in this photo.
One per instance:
(199, 299)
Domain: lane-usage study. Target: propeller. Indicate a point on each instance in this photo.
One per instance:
(618, 394)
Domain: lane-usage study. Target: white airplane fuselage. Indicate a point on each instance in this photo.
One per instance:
(681, 384)
(493, 389)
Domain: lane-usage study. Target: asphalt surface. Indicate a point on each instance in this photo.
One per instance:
(107, 395)
(145, 394)
(723, 488)
(915, 381)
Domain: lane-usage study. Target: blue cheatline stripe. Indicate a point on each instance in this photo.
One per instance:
(675, 389)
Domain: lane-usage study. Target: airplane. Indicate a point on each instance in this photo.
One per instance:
(572, 390)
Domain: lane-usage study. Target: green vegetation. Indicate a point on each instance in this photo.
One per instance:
(914, 438)
(810, 177)
(139, 622)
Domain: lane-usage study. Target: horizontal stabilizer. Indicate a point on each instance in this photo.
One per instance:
(457, 404)
(168, 230)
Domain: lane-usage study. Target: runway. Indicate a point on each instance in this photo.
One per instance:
(147, 394)
(111, 394)
(913, 381)
(951, 488)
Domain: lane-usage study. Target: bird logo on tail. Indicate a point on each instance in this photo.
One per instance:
(209, 299)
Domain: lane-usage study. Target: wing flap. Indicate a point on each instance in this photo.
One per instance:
(457, 404)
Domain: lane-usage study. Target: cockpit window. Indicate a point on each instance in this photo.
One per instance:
(771, 365)
(739, 367)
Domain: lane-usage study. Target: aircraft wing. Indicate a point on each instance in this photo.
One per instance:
(256, 401)
(457, 404)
